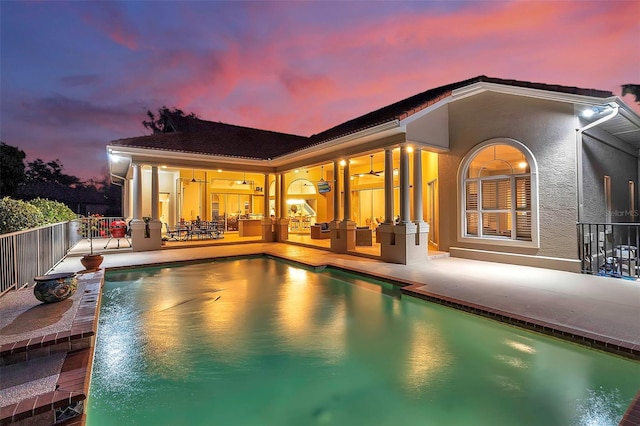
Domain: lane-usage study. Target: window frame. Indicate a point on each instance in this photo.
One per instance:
(498, 240)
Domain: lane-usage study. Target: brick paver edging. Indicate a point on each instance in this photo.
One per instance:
(73, 382)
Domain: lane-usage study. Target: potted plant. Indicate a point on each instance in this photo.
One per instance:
(91, 261)
(164, 240)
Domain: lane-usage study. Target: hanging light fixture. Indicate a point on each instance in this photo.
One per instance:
(193, 175)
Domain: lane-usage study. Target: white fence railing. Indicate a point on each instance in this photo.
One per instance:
(30, 253)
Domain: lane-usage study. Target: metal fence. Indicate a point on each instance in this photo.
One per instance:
(30, 253)
(609, 249)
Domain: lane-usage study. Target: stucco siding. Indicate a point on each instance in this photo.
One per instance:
(547, 129)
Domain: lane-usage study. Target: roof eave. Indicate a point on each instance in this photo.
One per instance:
(479, 87)
(344, 142)
(158, 157)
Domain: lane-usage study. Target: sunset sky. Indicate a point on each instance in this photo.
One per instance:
(76, 75)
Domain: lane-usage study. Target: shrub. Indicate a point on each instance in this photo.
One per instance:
(53, 211)
(16, 215)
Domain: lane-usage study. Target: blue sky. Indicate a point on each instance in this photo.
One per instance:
(76, 75)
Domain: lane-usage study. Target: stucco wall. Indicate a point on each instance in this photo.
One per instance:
(547, 129)
(599, 160)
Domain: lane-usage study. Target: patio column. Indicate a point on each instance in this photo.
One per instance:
(384, 234)
(137, 192)
(417, 186)
(267, 225)
(282, 228)
(267, 213)
(388, 185)
(404, 185)
(278, 197)
(126, 193)
(155, 226)
(343, 234)
(347, 192)
(155, 194)
(336, 190)
(404, 246)
(144, 235)
(422, 231)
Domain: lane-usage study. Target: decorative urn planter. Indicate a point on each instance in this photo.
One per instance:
(91, 262)
(55, 287)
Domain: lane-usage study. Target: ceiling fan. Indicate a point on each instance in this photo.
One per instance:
(373, 172)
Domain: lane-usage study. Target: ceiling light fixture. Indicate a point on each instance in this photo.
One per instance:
(193, 175)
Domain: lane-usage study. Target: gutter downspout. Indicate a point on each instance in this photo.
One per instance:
(579, 142)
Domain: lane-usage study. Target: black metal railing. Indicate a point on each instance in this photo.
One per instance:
(609, 249)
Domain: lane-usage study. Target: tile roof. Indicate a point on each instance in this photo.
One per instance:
(409, 106)
(214, 138)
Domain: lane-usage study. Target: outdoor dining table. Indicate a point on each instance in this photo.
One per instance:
(187, 231)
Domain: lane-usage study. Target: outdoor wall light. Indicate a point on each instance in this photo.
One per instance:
(590, 112)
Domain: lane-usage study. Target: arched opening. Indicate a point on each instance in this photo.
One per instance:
(499, 193)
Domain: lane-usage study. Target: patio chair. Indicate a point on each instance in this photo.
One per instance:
(172, 234)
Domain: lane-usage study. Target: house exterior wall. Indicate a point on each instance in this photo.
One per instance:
(598, 160)
(548, 129)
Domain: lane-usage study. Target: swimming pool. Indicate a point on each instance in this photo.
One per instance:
(262, 342)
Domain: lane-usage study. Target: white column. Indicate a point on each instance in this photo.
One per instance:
(267, 225)
(282, 227)
(336, 190)
(278, 195)
(126, 205)
(388, 185)
(347, 192)
(137, 192)
(404, 185)
(155, 194)
(267, 212)
(418, 212)
(283, 197)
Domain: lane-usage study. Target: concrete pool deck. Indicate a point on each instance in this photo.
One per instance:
(600, 312)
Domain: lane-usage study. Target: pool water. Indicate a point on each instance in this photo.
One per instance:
(263, 342)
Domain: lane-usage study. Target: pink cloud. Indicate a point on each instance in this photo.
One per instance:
(110, 19)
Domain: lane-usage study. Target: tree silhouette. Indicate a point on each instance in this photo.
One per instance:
(39, 171)
(158, 124)
(11, 169)
(631, 89)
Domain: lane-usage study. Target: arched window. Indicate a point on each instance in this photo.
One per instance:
(499, 193)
